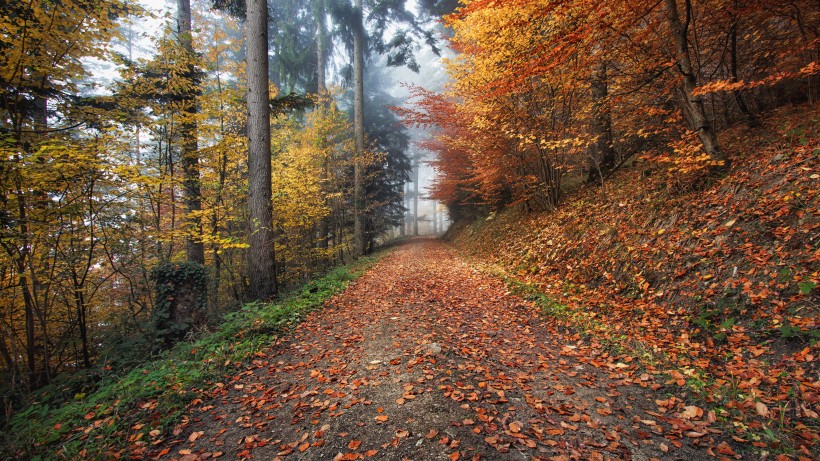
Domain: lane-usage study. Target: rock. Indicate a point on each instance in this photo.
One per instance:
(433, 349)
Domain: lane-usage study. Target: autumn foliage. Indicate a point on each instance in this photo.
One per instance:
(544, 92)
(99, 186)
(714, 288)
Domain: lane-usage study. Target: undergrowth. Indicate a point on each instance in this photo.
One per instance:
(125, 407)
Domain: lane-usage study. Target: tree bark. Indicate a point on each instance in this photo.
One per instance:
(321, 92)
(261, 256)
(416, 157)
(189, 157)
(693, 104)
(402, 227)
(358, 130)
(321, 49)
(602, 155)
(751, 120)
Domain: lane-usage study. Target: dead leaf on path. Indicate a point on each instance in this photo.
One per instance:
(692, 412)
(762, 409)
(725, 449)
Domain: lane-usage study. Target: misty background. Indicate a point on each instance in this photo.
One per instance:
(393, 83)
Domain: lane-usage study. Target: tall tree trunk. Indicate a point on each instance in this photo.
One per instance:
(602, 155)
(321, 48)
(404, 213)
(751, 120)
(261, 256)
(21, 261)
(194, 248)
(358, 130)
(321, 91)
(416, 158)
(693, 103)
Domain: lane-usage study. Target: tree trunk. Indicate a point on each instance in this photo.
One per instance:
(692, 103)
(82, 322)
(602, 155)
(403, 225)
(261, 256)
(416, 193)
(321, 92)
(194, 248)
(751, 120)
(321, 49)
(358, 129)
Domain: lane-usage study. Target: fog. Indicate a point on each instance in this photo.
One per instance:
(432, 217)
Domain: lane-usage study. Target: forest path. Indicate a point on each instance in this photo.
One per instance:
(426, 358)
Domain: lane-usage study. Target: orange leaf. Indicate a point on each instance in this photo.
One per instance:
(725, 449)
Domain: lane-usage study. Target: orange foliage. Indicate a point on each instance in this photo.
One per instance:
(520, 109)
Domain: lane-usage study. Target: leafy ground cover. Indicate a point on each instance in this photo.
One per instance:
(123, 409)
(710, 283)
(426, 357)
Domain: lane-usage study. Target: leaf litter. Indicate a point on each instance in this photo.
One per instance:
(425, 357)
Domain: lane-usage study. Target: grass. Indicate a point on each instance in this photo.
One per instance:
(124, 407)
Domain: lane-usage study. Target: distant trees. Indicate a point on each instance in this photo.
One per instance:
(544, 89)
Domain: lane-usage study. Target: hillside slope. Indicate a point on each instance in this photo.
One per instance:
(710, 283)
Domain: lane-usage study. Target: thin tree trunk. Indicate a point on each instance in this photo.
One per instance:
(82, 322)
(321, 91)
(416, 193)
(261, 256)
(358, 129)
(602, 154)
(28, 299)
(404, 213)
(694, 103)
(194, 249)
(751, 120)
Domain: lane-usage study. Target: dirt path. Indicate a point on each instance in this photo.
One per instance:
(426, 358)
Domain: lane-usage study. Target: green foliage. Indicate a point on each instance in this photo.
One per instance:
(171, 279)
(806, 287)
(100, 421)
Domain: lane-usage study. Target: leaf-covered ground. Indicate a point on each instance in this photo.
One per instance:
(712, 283)
(425, 357)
